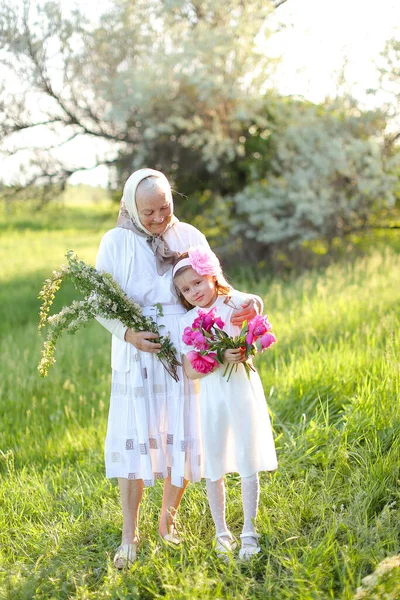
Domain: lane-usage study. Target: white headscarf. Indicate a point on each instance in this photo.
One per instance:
(128, 217)
(128, 200)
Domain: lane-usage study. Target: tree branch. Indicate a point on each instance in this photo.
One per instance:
(43, 149)
(44, 183)
(278, 3)
(47, 88)
(16, 127)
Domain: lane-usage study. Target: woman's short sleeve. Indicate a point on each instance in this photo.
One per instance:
(106, 261)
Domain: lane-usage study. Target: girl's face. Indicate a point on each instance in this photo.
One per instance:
(154, 209)
(198, 290)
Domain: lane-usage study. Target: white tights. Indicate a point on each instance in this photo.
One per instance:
(216, 499)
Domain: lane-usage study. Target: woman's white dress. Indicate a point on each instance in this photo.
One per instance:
(236, 432)
(153, 424)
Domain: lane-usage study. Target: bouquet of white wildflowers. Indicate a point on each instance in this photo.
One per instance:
(102, 297)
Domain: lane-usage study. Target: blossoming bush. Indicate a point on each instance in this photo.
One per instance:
(103, 297)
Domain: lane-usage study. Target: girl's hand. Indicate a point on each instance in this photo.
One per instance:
(250, 309)
(141, 340)
(234, 355)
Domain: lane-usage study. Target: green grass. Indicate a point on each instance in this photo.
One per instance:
(327, 517)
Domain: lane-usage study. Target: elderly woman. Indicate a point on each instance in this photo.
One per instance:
(152, 428)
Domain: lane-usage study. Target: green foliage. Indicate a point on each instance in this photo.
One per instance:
(209, 67)
(181, 86)
(389, 90)
(328, 176)
(167, 84)
(328, 516)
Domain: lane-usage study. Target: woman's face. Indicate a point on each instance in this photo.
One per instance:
(198, 290)
(154, 208)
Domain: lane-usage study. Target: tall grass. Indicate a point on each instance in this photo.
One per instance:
(327, 516)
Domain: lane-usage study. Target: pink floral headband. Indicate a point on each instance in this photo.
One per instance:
(201, 259)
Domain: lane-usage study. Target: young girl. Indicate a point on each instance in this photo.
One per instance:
(235, 427)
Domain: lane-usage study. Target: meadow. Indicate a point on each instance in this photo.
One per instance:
(328, 516)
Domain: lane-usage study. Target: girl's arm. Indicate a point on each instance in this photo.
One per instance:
(190, 372)
(231, 355)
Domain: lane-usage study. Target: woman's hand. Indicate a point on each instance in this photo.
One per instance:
(234, 355)
(142, 340)
(250, 309)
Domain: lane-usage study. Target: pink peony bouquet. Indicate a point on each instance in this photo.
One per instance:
(210, 341)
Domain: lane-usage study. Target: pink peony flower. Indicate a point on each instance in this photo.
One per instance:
(219, 322)
(204, 261)
(202, 363)
(187, 336)
(267, 340)
(249, 338)
(198, 322)
(210, 319)
(199, 341)
(206, 320)
(259, 325)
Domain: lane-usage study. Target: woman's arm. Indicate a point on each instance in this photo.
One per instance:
(105, 261)
(108, 260)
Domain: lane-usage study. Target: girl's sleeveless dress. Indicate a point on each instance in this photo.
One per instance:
(236, 432)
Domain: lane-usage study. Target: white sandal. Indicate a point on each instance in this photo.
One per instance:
(250, 545)
(125, 556)
(224, 545)
(171, 538)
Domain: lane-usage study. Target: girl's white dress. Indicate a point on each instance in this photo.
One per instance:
(153, 424)
(236, 431)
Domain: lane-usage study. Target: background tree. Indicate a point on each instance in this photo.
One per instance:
(328, 175)
(389, 69)
(173, 84)
(182, 85)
